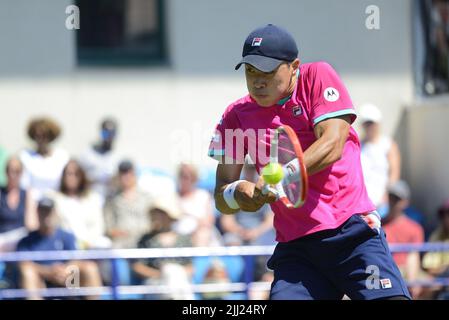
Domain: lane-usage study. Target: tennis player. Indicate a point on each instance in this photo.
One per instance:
(333, 245)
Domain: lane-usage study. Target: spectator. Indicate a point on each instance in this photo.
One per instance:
(380, 157)
(126, 212)
(17, 208)
(3, 160)
(100, 160)
(171, 272)
(253, 228)
(196, 204)
(43, 166)
(220, 269)
(80, 210)
(216, 274)
(401, 229)
(38, 275)
(437, 263)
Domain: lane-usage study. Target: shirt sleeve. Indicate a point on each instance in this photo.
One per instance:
(228, 140)
(329, 96)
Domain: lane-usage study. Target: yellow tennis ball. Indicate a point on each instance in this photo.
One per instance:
(272, 173)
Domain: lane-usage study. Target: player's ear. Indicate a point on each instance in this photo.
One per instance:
(295, 65)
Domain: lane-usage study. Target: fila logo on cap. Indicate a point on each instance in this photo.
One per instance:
(257, 42)
(331, 94)
(385, 283)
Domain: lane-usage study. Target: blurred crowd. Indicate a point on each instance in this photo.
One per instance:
(51, 199)
(436, 40)
(402, 223)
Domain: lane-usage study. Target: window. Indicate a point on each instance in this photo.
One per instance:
(121, 32)
(433, 69)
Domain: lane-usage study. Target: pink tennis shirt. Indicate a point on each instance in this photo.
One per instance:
(335, 193)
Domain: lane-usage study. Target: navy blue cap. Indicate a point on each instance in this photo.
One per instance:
(46, 203)
(267, 47)
(125, 166)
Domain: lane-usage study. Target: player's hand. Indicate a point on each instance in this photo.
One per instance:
(270, 197)
(249, 196)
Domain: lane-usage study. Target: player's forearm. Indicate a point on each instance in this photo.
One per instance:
(220, 202)
(323, 153)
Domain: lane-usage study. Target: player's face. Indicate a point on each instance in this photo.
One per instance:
(268, 88)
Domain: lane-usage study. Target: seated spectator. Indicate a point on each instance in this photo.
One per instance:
(217, 269)
(126, 213)
(100, 160)
(3, 160)
(401, 229)
(437, 263)
(43, 165)
(216, 274)
(171, 272)
(38, 275)
(17, 208)
(380, 158)
(79, 209)
(196, 205)
(253, 228)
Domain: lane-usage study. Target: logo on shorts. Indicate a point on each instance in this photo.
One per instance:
(331, 94)
(297, 111)
(385, 283)
(256, 42)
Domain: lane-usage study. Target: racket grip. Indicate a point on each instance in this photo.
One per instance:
(268, 188)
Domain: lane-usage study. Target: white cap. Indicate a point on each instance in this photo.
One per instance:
(168, 204)
(370, 112)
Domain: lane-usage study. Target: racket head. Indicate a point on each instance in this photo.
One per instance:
(286, 148)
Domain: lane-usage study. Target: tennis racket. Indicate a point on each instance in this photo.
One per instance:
(286, 151)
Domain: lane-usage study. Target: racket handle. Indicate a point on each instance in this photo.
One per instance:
(268, 188)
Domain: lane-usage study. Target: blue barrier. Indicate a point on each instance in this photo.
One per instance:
(248, 252)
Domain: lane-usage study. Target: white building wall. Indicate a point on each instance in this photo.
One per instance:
(38, 73)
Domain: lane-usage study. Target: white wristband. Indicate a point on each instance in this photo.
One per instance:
(228, 195)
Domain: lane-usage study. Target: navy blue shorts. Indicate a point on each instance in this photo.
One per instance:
(353, 259)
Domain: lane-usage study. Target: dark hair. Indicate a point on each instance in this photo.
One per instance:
(48, 126)
(84, 183)
(444, 208)
(109, 123)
